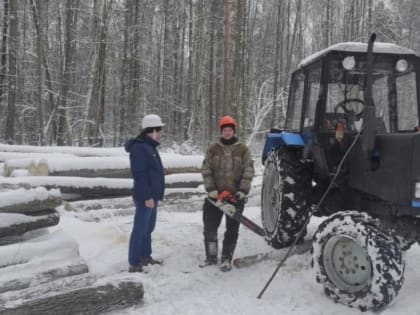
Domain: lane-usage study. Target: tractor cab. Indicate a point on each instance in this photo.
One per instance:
(328, 98)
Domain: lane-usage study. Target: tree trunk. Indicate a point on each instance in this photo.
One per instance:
(96, 100)
(240, 110)
(71, 13)
(219, 66)
(226, 57)
(326, 26)
(293, 40)
(134, 86)
(189, 86)
(123, 117)
(3, 57)
(164, 72)
(181, 84)
(211, 70)
(277, 58)
(369, 18)
(12, 73)
(42, 67)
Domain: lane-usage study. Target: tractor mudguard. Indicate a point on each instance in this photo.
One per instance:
(276, 140)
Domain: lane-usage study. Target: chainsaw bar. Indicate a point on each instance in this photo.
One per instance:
(230, 210)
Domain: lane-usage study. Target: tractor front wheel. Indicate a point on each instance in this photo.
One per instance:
(358, 262)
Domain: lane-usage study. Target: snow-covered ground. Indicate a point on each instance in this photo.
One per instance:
(102, 228)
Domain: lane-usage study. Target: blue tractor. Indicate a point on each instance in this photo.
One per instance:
(350, 153)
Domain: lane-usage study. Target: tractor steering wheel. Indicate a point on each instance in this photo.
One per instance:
(357, 108)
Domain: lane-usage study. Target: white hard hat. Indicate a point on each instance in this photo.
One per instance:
(150, 121)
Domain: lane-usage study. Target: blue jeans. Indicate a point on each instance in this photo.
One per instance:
(140, 246)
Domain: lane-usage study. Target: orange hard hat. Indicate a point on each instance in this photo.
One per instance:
(227, 120)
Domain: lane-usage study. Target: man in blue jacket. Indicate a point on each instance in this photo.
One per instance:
(149, 186)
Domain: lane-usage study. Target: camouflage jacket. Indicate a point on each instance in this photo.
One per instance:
(228, 167)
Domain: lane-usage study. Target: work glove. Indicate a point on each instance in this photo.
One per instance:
(212, 194)
(240, 195)
(229, 209)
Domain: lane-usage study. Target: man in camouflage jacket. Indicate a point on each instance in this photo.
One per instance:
(227, 166)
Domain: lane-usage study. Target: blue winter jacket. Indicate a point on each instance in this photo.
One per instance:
(146, 168)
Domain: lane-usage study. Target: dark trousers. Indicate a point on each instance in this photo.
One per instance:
(140, 246)
(212, 217)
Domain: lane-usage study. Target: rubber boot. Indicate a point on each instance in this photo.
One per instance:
(211, 251)
(226, 265)
(227, 254)
(227, 251)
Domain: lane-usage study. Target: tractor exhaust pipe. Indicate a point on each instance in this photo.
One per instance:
(369, 116)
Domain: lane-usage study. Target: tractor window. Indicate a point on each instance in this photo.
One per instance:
(380, 91)
(342, 86)
(294, 109)
(338, 93)
(346, 92)
(314, 78)
(407, 102)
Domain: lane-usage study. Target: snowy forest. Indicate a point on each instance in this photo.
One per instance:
(84, 73)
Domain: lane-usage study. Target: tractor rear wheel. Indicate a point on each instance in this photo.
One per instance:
(358, 262)
(285, 189)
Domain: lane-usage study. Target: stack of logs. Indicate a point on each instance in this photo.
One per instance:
(81, 178)
(41, 271)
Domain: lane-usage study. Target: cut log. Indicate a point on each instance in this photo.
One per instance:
(8, 156)
(94, 192)
(16, 160)
(22, 164)
(29, 200)
(184, 180)
(41, 269)
(37, 247)
(179, 170)
(5, 186)
(74, 295)
(41, 164)
(20, 173)
(25, 280)
(176, 193)
(42, 170)
(78, 151)
(14, 224)
(78, 188)
(112, 166)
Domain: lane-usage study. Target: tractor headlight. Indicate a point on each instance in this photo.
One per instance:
(417, 191)
(401, 65)
(349, 63)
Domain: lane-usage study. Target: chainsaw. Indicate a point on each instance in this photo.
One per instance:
(228, 204)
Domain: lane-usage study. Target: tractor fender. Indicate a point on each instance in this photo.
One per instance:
(277, 140)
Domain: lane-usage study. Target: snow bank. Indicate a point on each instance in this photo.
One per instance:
(49, 244)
